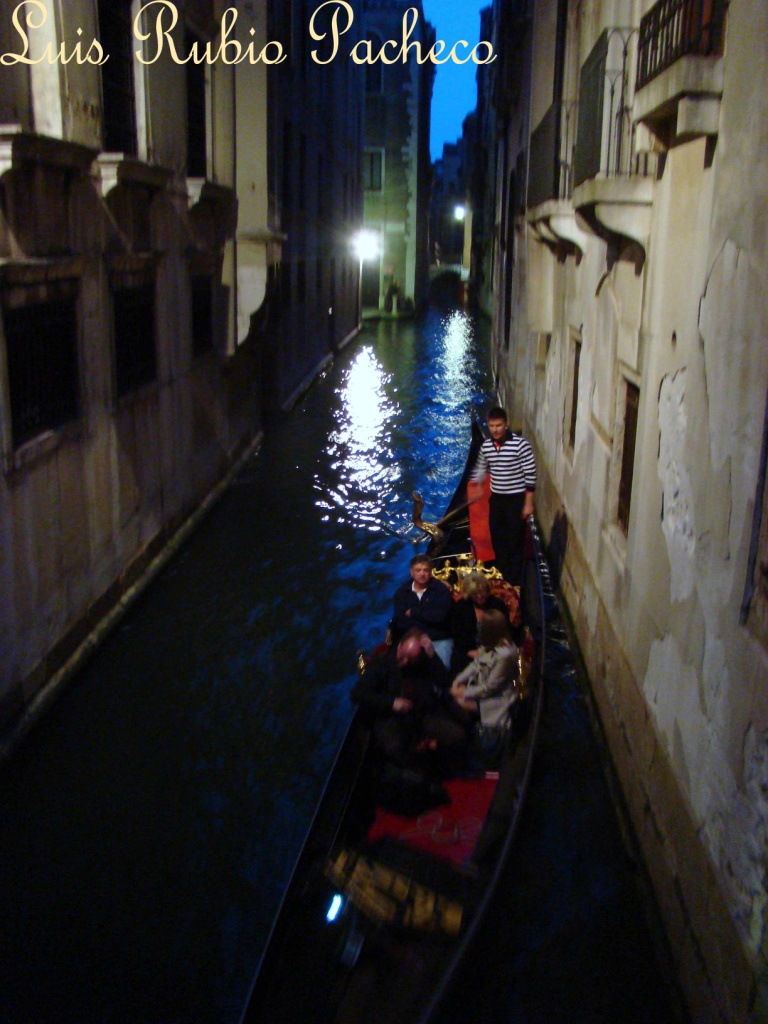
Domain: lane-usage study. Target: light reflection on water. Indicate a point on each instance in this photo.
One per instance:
(456, 335)
(402, 419)
(212, 715)
(361, 478)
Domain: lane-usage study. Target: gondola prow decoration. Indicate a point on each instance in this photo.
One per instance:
(430, 529)
(434, 530)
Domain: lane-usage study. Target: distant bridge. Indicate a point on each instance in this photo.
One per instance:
(441, 269)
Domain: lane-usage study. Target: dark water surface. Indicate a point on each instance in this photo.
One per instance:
(149, 825)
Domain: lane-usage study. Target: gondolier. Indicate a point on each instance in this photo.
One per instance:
(509, 459)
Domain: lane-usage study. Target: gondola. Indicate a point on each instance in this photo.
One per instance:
(383, 905)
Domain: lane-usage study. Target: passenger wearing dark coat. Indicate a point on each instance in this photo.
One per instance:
(407, 692)
(427, 603)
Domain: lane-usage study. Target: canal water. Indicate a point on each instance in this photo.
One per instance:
(149, 824)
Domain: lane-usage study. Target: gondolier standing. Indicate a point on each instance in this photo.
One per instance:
(508, 458)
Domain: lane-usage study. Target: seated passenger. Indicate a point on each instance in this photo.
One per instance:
(486, 687)
(467, 616)
(407, 689)
(427, 603)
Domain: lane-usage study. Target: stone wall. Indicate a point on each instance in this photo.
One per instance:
(710, 958)
(667, 595)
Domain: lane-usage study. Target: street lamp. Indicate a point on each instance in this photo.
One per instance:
(459, 212)
(367, 247)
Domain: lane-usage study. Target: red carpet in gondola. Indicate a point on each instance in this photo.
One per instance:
(450, 831)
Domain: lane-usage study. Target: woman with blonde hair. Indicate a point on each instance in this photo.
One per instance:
(486, 687)
(467, 615)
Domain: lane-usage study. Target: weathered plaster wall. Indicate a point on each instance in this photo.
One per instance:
(77, 517)
(89, 504)
(681, 685)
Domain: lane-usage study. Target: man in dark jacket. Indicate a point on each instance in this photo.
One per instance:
(407, 690)
(425, 602)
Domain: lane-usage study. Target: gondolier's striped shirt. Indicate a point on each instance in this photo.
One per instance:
(511, 465)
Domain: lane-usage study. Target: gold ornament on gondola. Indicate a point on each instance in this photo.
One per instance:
(430, 529)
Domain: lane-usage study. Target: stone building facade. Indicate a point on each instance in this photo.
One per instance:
(630, 325)
(145, 325)
(449, 191)
(315, 136)
(396, 160)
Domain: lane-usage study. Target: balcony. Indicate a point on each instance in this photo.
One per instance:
(680, 69)
(550, 183)
(613, 184)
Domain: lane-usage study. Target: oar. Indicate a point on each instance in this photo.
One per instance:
(455, 512)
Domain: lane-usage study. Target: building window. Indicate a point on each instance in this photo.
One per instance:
(202, 314)
(133, 307)
(373, 170)
(287, 167)
(374, 73)
(284, 271)
(576, 360)
(302, 171)
(632, 402)
(43, 375)
(754, 605)
(322, 212)
(197, 156)
(119, 109)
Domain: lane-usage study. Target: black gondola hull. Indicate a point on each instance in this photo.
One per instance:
(333, 956)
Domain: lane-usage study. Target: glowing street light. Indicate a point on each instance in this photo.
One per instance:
(367, 245)
(459, 212)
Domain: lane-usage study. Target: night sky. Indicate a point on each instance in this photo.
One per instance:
(455, 93)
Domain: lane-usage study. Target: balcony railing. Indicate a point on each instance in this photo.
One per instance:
(677, 28)
(550, 175)
(605, 137)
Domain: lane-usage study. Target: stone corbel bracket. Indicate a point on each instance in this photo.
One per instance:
(554, 224)
(114, 169)
(213, 211)
(18, 146)
(618, 210)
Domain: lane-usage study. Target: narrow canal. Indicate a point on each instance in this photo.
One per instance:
(149, 824)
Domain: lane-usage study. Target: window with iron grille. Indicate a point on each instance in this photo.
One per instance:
(118, 98)
(632, 403)
(43, 375)
(202, 314)
(373, 170)
(672, 29)
(197, 157)
(134, 336)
